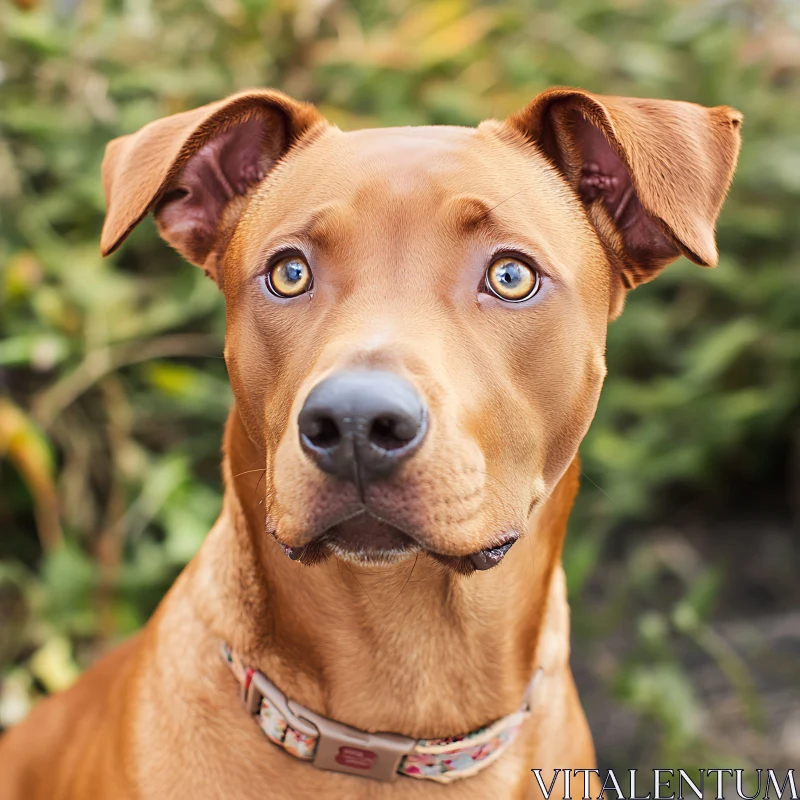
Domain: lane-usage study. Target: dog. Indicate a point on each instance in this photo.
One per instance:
(416, 329)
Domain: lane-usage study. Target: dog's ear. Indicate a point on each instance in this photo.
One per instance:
(194, 170)
(652, 174)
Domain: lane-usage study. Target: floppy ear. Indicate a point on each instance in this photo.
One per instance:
(194, 169)
(652, 174)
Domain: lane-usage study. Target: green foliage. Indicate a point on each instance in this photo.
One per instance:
(114, 390)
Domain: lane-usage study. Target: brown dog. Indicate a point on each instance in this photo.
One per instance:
(416, 333)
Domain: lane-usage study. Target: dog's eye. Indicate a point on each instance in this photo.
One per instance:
(289, 277)
(512, 280)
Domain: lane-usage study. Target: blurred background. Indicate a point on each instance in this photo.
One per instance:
(683, 553)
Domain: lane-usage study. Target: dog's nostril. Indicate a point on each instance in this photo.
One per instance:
(392, 434)
(323, 432)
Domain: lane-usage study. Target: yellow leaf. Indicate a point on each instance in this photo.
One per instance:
(54, 666)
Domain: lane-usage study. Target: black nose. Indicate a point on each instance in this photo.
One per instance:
(360, 425)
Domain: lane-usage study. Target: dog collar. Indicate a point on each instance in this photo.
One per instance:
(382, 756)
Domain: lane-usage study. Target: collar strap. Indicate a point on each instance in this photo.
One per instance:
(382, 756)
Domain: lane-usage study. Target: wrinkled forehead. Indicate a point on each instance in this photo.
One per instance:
(393, 187)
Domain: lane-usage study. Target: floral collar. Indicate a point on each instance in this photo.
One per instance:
(381, 756)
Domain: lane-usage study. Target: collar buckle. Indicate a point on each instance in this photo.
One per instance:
(339, 747)
(344, 749)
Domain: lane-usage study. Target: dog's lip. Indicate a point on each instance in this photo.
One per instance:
(371, 537)
(491, 556)
(295, 553)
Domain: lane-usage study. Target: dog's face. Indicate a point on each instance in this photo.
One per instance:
(417, 316)
(404, 238)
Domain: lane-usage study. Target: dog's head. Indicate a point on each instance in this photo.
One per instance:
(417, 316)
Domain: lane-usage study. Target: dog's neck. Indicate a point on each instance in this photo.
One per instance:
(445, 653)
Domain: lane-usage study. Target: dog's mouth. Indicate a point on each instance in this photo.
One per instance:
(367, 540)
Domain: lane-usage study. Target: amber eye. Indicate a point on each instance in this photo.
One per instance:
(289, 277)
(512, 280)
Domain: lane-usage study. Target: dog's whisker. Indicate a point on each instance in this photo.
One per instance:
(511, 197)
(248, 472)
(532, 551)
(505, 504)
(402, 588)
(258, 482)
(596, 485)
(363, 589)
